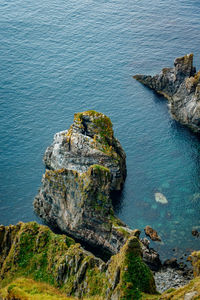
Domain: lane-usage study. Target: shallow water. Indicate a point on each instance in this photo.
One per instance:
(60, 57)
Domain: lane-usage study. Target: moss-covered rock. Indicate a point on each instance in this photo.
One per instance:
(195, 259)
(129, 275)
(34, 252)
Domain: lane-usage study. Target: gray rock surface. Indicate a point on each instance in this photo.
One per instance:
(181, 86)
(90, 140)
(168, 278)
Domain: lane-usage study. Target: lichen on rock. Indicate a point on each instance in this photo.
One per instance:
(181, 86)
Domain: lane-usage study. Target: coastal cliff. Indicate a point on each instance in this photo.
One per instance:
(37, 264)
(181, 86)
(32, 251)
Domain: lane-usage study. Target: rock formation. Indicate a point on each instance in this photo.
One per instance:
(152, 233)
(181, 86)
(33, 251)
(75, 193)
(89, 141)
(83, 165)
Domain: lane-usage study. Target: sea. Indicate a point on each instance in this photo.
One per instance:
(61, 57)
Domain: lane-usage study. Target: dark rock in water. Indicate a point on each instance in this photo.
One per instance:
(181, 86)
(172, 262)
(152, 233)
(195, 233)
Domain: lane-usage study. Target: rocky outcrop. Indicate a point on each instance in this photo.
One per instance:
(181, 86)
(152, 233)
(89, 141)
(83, 165)
(35, 252)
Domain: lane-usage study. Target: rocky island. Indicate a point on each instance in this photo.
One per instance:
(83, 165)
(181, 86)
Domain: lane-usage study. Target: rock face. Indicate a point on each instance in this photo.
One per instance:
(181, 86)
(89, 141)
(79, 205)
(33, 251)
(83, 165)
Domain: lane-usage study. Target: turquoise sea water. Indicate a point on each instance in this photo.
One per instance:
(61, 57)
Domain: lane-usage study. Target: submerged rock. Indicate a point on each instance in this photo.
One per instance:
(181, 86)
(195, 233)
(159, 197)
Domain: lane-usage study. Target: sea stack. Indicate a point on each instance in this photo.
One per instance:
(83, 165)
(181, 86)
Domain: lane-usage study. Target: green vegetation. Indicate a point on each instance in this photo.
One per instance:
(37, 264)
(38, 258)
(135, 276)
(35, 252)
(28, 289)
(99, 127)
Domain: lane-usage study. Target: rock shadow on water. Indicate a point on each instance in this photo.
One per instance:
(117, 198)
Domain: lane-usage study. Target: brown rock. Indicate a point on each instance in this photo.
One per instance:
(149, 231)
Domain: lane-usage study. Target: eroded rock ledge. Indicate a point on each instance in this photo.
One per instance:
(181, 86)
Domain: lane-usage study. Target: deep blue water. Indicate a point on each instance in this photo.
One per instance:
(61, 57)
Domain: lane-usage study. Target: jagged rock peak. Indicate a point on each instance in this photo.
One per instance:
(89, 140)
(181, 86)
